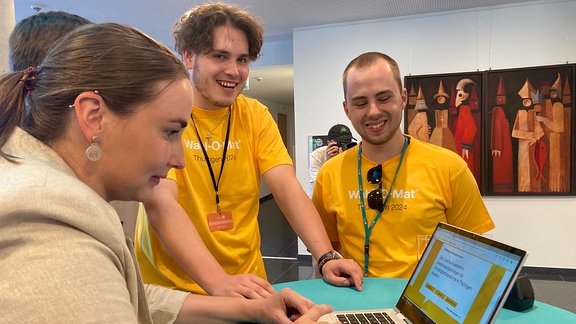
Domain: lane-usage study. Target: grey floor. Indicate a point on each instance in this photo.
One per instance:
(280, 250)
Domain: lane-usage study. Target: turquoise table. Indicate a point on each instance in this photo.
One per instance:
(384, 292)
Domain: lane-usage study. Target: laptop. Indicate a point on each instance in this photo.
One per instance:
(462, 277)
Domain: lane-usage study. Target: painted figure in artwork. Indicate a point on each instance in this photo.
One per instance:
(419, 127)
(442, 135)
(411, 103)
(467, 141)
(528, 132)
(501, 145)
(552, 118)
(540, 150)
(565, 141)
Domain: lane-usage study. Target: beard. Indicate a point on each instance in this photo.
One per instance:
(377, 139)
(383, 137)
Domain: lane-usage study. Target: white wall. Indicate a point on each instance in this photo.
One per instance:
(276, 51)
(533, 34)
(7, 22)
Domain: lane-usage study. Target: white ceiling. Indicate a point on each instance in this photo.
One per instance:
(280, 17)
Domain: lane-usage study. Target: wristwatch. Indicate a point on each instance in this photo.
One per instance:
(331, 255)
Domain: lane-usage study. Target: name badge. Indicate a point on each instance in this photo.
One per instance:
(220, 221)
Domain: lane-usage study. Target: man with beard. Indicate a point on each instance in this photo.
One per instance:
(377, 197)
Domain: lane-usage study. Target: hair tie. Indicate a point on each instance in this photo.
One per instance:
(28, 77)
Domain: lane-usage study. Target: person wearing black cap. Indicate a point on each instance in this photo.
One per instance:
(339, 139)
(341, 136)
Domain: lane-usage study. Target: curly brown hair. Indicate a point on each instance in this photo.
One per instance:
(194, 31)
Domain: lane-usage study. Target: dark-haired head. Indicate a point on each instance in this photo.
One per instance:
(32, 37)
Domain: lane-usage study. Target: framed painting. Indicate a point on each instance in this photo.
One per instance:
(529, 131)
(314, 142)
(446, 110)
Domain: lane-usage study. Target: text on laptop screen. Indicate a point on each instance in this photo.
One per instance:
(460, 280)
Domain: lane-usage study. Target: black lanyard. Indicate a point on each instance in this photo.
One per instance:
(215, 182)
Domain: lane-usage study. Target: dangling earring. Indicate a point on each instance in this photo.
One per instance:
(93, 152)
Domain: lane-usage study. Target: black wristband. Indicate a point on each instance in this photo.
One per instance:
(331, 255)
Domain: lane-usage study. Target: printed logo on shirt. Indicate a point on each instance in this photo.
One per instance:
(214, 146)
(214, 149)
(230, 157)
(396, 193)
(399, 200)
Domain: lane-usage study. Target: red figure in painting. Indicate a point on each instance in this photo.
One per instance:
(501, 145)
(466, 127)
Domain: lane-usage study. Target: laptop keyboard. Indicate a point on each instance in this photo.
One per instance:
(365, 318)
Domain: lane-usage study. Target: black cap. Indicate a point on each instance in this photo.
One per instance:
(340, 133)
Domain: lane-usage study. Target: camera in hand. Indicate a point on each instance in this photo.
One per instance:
(342, 136)
(346, 144)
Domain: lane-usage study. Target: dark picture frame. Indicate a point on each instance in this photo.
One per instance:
(529, 128)
(517, 125)
(446, 110)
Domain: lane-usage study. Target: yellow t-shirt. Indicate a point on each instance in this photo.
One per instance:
(254, 147)
(433, 185)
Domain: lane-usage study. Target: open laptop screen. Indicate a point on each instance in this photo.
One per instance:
(462, 277)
